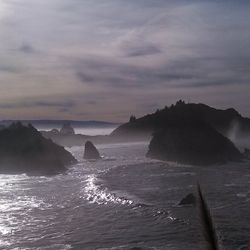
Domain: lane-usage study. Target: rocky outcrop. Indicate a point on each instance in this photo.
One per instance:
(247, 153)
(188, 200)
(91, 152)
(54, 131)
(24, 150)
(67, 129)
(195, 143)
(224, 121)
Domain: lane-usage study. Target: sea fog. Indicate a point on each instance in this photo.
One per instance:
(83, 130)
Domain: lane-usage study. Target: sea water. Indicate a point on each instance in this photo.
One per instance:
(124, 201)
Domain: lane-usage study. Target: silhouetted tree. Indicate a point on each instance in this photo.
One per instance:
(132, 118)
(180, 102)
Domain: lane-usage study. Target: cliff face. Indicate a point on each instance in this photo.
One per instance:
(24, 150)
(222, 120)
(192, 143)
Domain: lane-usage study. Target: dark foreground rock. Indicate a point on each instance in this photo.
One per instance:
(247, 153)
(24, 150)
(91, 152)
(194, 143)
(188, 200)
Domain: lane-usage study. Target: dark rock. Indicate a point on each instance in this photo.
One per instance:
(2, 127)
(247, 153)
(54, 131)
(188, 200)
(67, 129)
(192, 142)
(90, 151)
(223, 121)
(24, 150)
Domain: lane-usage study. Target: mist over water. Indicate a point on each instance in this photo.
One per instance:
(94, 131)
(241, 140)
(83, 130)
(122, 202)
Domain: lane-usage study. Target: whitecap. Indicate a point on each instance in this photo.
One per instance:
(95, 194)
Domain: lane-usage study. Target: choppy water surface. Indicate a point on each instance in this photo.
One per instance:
(123, 202)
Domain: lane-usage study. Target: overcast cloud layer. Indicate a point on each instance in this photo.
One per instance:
(106, 59)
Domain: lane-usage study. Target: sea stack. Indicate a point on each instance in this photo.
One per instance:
(194, 143)
(91, 152)
(67, 129)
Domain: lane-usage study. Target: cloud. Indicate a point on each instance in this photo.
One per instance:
(84, 77)
(26, 48)
(189, 72)
(55, 103)
(141, 50)
(38, 103)
(120, 55)
(8, 69)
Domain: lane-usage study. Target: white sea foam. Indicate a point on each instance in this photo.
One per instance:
(94, 194)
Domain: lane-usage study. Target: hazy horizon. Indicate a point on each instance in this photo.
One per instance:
(106, 60)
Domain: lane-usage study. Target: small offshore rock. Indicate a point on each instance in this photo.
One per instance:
(67, 129)
(91, 152)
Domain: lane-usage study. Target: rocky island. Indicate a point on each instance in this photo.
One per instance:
(24, 150)
(192, 142)
(184, 132)
(67, 129)
(67, 137)
(190, 133)
(224, 121)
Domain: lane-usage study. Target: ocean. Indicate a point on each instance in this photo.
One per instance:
(124, 201)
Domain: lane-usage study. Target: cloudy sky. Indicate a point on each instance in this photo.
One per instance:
(106, 59)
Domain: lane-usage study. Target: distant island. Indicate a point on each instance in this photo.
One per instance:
(67, 137)
(41, 124)
(24, 150)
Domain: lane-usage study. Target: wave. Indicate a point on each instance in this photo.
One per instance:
(94, 194)
(53, 247)
(131, 247)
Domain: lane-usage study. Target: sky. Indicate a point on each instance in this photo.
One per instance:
(108, 59)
